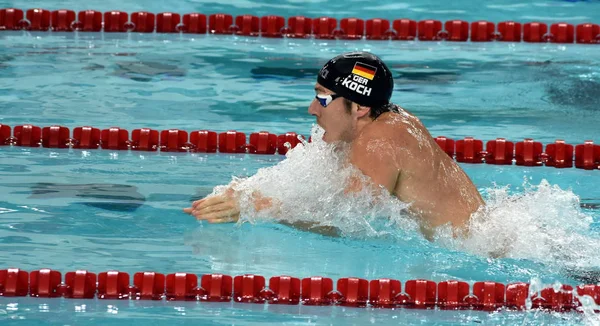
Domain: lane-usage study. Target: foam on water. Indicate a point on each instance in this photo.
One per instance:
(309, 186)
(543, 223)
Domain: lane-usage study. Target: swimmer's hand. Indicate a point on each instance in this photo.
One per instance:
(223, 208)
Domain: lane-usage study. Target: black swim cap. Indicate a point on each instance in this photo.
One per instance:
(360, 77)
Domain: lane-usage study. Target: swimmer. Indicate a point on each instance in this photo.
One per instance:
(387, 143)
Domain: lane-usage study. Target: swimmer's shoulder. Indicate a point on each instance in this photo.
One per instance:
(386, 136)
(382, 128)
(381, 135)
(394, 126)
(398, 119)
(403, 130)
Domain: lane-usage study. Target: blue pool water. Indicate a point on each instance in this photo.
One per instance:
(55, 212)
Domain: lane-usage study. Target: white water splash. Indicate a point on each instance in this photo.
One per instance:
(543, 223)
(309, 186)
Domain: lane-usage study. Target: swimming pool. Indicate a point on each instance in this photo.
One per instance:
(101, 209)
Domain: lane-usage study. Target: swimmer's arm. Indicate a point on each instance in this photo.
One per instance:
(225, 209)
(262, 203)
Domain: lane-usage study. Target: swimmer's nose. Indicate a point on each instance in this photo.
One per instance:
(313, 108)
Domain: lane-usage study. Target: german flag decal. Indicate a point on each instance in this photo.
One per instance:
(364, 70)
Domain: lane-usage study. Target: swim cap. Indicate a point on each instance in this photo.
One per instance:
(360, 77)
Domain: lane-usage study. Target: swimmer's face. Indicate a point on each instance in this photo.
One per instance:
(334, 118)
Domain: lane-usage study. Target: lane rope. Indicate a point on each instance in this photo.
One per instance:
(499, 151)
(317, 290)
(273, 26)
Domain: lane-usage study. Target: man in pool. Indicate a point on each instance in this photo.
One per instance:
(387, 144)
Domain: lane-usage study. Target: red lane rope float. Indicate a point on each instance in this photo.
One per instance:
(297, 26)
(468, 150)
(316, 291)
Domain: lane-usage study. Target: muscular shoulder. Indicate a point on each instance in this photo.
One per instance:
(375, 153)
(400, 128)
(375, 135)
(378, 142)
(395, 136)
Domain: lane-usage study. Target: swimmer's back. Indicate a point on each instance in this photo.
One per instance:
(437, 188)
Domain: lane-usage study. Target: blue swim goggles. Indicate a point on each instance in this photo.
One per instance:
(325, 100)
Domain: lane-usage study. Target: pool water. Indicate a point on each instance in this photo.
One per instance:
(101, 209)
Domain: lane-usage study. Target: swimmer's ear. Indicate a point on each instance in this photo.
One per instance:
(362, 111)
